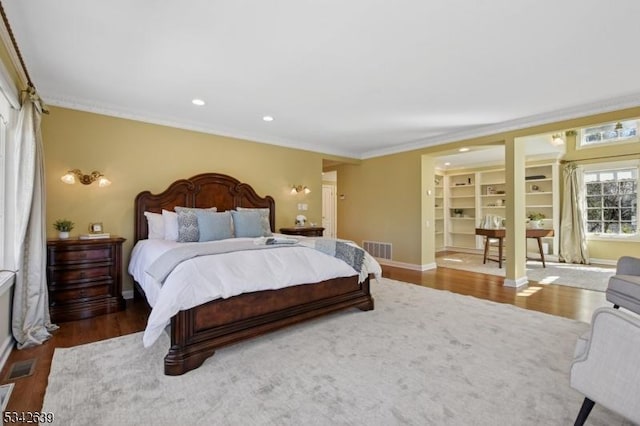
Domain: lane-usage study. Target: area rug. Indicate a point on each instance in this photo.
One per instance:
(590, 277)
(422, 357)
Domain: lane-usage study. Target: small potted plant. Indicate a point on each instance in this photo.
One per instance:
(458, 212)
(63, 226)
(536, 219)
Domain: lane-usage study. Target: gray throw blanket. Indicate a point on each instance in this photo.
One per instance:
(351, 254)
(163, 265)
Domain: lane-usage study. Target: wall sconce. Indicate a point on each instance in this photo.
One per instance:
(295, 189)
(557, 139)
(72, 175)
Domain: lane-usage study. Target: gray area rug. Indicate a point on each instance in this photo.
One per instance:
(590, 277)
(422, 357)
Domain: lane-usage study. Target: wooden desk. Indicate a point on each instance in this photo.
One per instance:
(499, 234)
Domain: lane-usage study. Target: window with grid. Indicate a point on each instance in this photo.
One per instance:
(612, 201)
(609, 133)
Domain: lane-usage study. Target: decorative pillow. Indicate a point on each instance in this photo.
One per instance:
(170, 220)
(214, 226)
(247, 224)
(188, 231)
(264, 215)
(155, 226)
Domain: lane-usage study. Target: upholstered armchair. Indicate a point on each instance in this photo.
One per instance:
(606, 367)
(624, 287)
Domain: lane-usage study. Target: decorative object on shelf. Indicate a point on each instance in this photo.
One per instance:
(491, 190)
(95, 228)
(63, 226)
(436, 180)
(458, 212)
(536, 220)
(499, 202)
(72, 175)
(534, 188)
(295, 189)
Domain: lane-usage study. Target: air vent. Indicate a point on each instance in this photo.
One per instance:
(377, 249)
(21, 369)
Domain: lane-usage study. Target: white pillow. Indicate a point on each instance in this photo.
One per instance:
(170, 220)
(155, 226)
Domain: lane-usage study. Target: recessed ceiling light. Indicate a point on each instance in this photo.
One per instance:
(198, 102)
(267, 118)
(463, 149)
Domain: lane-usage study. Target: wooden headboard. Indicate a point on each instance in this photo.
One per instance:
(203, 190)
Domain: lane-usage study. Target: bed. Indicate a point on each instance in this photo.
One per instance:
(197, 332)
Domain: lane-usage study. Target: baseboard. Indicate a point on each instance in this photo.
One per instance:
(127, 294)
(518, 282)
(5, 350)
(410, 266)
(604, 262)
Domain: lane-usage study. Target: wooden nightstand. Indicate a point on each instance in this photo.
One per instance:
(306, 231)
(84, 278)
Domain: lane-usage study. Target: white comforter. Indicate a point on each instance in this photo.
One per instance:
(202, 279)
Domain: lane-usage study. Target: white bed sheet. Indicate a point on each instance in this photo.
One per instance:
(202, 279)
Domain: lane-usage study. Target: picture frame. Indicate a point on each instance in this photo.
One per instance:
(95, 228)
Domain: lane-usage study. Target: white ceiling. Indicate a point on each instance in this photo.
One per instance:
(357, 78)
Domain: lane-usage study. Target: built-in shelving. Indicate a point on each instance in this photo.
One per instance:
(470, 195)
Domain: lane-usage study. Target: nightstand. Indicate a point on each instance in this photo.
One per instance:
(84, 277)
(305, 231)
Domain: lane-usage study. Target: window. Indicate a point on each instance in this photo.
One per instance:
(612, 201)
(610, 133)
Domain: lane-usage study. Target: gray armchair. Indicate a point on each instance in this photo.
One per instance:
(605, 368)
(624, 287)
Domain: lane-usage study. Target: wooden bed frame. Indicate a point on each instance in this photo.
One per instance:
(197, 332)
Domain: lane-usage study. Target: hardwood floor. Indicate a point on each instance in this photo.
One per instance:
(28, 393)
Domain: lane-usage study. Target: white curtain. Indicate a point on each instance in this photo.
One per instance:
(31, 322)
(573, 228)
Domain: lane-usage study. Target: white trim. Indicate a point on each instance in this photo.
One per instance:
(13, 56)
(518, 282)
(603, 262)
(5, 350)
(127, 294)
(410, 266)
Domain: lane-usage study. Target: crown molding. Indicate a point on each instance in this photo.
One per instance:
(64, 102)
(606, 105)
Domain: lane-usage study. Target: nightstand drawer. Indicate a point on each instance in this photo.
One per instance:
(71, 275)
(79, 294)
(95, 254)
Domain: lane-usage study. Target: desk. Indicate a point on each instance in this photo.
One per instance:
(499, 234)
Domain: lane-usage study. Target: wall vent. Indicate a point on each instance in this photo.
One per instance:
(377, 249)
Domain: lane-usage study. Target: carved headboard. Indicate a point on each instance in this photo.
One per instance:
(203, 190)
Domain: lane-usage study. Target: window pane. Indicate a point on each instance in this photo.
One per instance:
(594, 227)
(611, 227)
(627, 214)
(594, 214)
(610, 201)
(628, 201)
(610, 188)
(594, 188)
(627, 187)
(594, 201)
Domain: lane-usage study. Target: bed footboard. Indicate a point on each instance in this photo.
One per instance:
(196, 333)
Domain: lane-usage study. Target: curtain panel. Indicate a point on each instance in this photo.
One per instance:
(31, 322)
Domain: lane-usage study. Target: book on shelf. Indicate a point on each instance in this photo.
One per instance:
(94, 236)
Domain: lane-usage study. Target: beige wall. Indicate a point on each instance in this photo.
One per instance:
(388, 189)
(138, 156)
